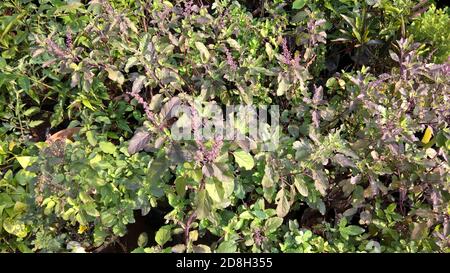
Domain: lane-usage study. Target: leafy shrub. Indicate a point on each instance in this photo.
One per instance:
(432, 28)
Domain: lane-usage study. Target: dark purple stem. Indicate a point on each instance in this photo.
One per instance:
(188, 226)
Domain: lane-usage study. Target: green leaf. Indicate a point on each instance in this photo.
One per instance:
(246, 215)
(107, 147)
(91, 210)
(99, 236)
(143, 239)
(354, 230)
(49, 208)
(35, 123)
(24, 83)
(15, 227)
(31, 111)
(267, 181)
(272, 224)
(440, 139)
(107, 219)
(300, 185)
(204, 53)
(85, 198)
(23, 177)
(3, 63)
(321, 181)
(132, 61)
(5, 202)
(156, 170)
(58, 115)
(88, 104)
(163, 235)
(68, 214)
(261, 70)
(227, 247)
(91, 138)
(244, 159)
(227, 185)
(115, 75)
(20, 207)
(203, 204)
(298, 4)
(180, 185)
(103, 119)
(260, 214)
(217, 190)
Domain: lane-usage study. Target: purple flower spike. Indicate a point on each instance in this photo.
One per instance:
(230, 60)
(287, 57)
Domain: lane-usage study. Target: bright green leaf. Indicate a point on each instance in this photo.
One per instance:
(107, 147)
(244, 159)
(298, 4)
(163, 235)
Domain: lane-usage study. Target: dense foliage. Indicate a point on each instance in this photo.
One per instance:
(87, 92)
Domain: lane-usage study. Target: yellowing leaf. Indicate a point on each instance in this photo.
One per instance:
(82, 229)
(204, 53)
(74, 66)
(267, 180)
(427, 136)
(283, 86)
(115, 75)
(15, 227)
(25, 161)
(321, 181)
(269, 51)
(199, 249)
(283, 204)
(11, 146)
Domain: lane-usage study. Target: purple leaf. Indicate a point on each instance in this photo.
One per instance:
(139, 141)
(168, 110)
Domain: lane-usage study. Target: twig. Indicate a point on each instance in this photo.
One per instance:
(188, 226)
